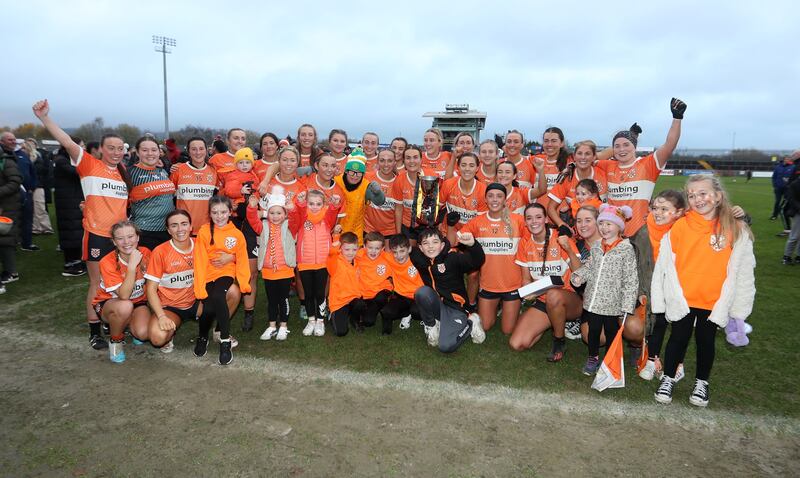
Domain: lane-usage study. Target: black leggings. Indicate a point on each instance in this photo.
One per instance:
(314, 283)
(395, 309)
(366, 310)
(655, 339)
(278, 299)
(597, 322)
(215, 307)
(705, 331)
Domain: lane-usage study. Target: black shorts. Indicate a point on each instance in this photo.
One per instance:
(95, 247)
(504, 296)
(153, 239)
(538, 305)
(186, 315)
(98, 307)
(412, 232)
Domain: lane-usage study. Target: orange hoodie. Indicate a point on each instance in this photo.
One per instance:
(227, 239)
(373, 274)
(344, 286)
(234, 181)
(701, 259)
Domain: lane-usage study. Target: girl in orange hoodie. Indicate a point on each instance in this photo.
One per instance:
(702, 279)
(220, 258)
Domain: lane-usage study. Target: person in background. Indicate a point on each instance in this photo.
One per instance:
(68, 196)
(780, 179)
(10, 181)
(173, 152)
(44, 179)
(792, 210)
(28, 186)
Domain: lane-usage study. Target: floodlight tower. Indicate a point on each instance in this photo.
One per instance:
(162, 44)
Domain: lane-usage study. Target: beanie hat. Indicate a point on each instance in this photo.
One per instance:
(244, 154)
(274, 198)
(496, 187)
(284, 143)
(627, 134)
(356, 161)
(614, 214)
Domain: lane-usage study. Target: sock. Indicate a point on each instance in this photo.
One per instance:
(118, 338)
(94, 329)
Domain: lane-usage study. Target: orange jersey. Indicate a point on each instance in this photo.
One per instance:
(290, 188)
(380, 218)
(518, 199)
(632, 186)
(551, 173)
(499, 273)
(701, 259)
(405, 277)
(373, 274)
(467, 204)
(229, 240)
(372, 163)
(437, 164)
(305, 160)
(485, 178)
(334, 194)
(566, 189)
(533, 259)
(194, 187)
(174, 272)
(260, 169)
(223, 163)
(402, 192)
(105, 194)
(112, 273)
(344, 287)
(526, 173)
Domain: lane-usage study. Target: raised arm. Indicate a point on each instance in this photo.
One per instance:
(663, 152)
(42, 111)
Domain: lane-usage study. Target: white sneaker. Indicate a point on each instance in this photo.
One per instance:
(310, 326)
(649, 370)
(432, 333)
(477, 334)
(282, 333)
(699, 397)
(405, 322)
(116, 352)
(319, 328)
(217, 337)
(269, 333)
(747, 328)
(168, 347)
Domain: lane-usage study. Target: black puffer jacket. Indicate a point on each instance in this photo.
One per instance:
(68, 197)
(10, 181)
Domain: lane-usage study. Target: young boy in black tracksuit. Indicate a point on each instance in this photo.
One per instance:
(442, 299)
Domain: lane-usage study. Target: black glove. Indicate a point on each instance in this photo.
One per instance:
(564, 230)
(453, 218)
(677, 107)
(499, 140)
(635, 129)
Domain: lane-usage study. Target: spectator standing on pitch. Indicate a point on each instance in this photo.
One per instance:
(780, 179)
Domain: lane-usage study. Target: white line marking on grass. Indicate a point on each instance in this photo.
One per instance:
(524, 401)
(41, 298)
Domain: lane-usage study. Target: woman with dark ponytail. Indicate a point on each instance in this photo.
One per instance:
(105, 187)
(543, 253)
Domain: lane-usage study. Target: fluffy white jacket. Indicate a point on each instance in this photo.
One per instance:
(737, 294)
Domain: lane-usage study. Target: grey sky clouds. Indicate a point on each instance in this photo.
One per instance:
(590, 68)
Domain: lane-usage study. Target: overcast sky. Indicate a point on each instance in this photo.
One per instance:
(589, 67)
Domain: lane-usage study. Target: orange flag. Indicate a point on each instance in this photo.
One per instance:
(611, 373)
(642, 311)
